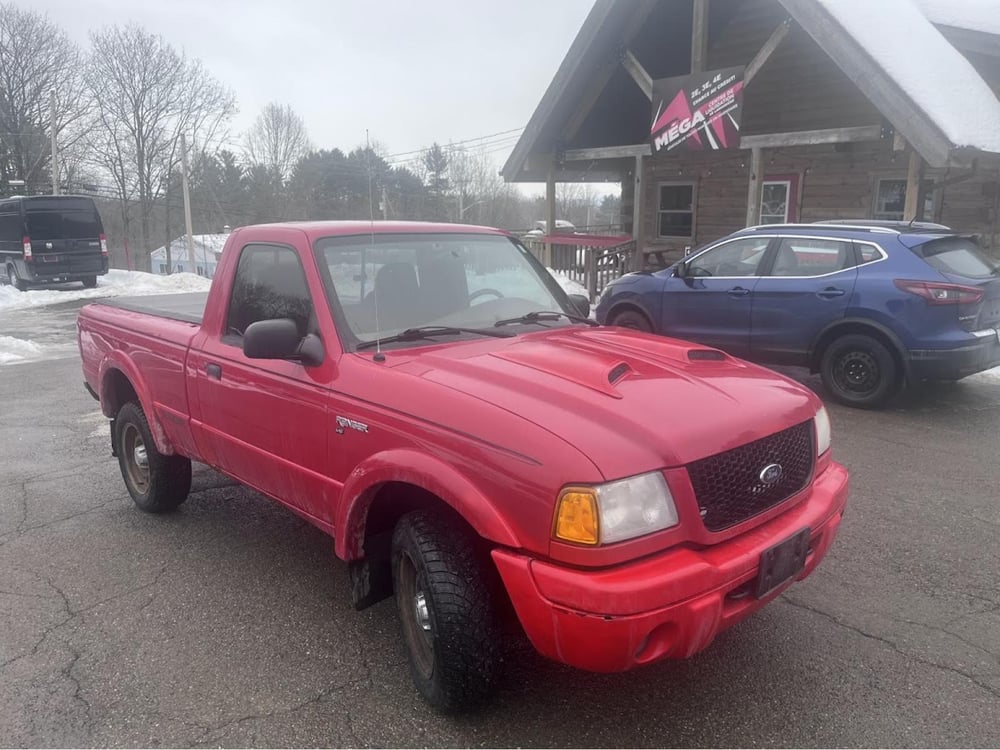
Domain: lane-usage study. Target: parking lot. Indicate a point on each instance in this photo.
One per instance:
(229, 623)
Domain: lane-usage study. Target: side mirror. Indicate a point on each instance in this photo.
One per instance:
(678, 271)
(581, 303)
(279, 339)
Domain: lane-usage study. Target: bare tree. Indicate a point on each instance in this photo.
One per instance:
(276, 141)
(146, 95)
(37, 61)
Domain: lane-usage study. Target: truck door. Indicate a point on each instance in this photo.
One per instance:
(265, 421)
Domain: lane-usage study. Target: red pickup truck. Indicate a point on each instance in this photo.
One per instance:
(429, 396)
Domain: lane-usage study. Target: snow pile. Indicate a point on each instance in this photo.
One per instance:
(932, 73)
(976, 15)
(987, 376)
(18, 350)
(115, 284)
(569, 286)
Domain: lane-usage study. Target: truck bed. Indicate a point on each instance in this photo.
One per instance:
(187, 307)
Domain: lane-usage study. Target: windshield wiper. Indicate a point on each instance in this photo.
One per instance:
(541, 315)
(426, 332)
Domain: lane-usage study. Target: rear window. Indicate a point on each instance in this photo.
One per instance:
(58, 224)
(957, 255)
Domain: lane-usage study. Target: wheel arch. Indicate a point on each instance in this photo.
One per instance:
(630, 304)
(121, 382)
(864, 327)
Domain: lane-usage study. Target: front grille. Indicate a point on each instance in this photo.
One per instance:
(729, 487)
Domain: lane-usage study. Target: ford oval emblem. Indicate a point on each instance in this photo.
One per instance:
(771, 474)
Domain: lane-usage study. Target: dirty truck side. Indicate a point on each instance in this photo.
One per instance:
(427, 396)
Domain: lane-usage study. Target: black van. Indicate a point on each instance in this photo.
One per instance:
(51, 238)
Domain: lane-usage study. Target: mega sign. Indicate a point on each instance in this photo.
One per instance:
(698, 112)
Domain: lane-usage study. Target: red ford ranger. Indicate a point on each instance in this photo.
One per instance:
(428, 396)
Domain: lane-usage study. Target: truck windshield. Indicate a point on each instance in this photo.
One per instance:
(59, 224)
(392, 282)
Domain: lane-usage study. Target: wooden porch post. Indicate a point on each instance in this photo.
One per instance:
(638, 260)
(912, 208)
(755, 187)
(550, 203)
(699, 36)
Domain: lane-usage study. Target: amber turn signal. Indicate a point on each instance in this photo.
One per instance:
(576, 516)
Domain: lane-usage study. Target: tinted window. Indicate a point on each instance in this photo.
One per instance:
(737, 258)
(867, 253)
(11, 228)
(57, 224)
(269, 284)
(810, 257)
(957, 255)
(675, 212)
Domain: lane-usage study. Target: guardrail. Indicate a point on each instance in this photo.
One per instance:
(589, 259)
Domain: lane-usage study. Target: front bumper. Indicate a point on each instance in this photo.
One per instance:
(671, 605)
(952, 364)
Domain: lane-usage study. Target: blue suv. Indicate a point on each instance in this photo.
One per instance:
(869, 305)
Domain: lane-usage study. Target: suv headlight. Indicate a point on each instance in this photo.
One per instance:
(822, 422)
(615, 511)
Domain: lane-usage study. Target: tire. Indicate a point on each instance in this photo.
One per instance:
(631, 319)
(157, 483)
(860, 371)
(15, 280)
(89, 282)
(444, 593)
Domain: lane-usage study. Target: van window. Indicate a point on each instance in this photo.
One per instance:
(62, 223)
(11, 228)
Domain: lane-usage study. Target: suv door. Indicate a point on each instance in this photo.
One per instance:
(708, 299)
(807, 284)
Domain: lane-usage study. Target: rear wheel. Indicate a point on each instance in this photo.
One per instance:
(631, 319)
(89, 282)
(447, 608)
(157, 483)
(15, 280)
(860, 371)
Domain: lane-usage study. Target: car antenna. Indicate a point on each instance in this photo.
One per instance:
(379, 356)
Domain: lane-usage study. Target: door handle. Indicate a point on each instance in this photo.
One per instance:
(830, 292)
(214, 371)
(738, 291)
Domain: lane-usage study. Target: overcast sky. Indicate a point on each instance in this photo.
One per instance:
(410, 71)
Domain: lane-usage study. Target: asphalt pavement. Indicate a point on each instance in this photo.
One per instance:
(229, 623)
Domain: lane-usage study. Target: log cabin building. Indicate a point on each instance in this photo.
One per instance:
(850, 109)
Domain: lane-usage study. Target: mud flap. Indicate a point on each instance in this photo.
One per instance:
(371, 577)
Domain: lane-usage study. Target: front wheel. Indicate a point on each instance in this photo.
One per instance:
(444, 591)
(157, 483)
(631, 319)
(860, 371)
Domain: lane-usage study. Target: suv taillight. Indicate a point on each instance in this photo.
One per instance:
(26, 246)
(104, 245)
(942, 294)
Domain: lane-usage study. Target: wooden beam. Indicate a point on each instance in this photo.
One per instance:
(637, 211)
(638, 73)
(755, 187)
(754, 66)
(812, 137)
(550, 204)
(699, 36)
(912, 209)
(607, 152)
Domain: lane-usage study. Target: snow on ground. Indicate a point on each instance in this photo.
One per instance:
(116, 283)
(569, 286)
(977, 15)
(987, 376)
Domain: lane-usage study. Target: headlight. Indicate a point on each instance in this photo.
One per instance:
(615, 511)
(822, 421)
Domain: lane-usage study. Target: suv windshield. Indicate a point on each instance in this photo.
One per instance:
(393, 282)
(957, 255)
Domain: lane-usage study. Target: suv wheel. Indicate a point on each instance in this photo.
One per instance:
(631, 319)
(860, 371)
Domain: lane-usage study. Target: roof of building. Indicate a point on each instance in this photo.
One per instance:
(206, 248)
(901, 54)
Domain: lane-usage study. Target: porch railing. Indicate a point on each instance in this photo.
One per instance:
(590, 260)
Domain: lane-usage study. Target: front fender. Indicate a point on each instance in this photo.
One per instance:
(117, 360)
(424, 471)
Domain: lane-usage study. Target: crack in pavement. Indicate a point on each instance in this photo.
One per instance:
(892, 645)
(13, 536)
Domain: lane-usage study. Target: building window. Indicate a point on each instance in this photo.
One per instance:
(779, 199)
(163, 268)
(675, 210)
(890, 199)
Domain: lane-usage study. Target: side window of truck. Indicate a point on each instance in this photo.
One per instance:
(269, 283)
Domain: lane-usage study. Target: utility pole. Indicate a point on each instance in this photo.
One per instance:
(385, 204)
(55, 150)
(187, 203)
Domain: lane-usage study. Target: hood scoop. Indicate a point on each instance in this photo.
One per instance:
(591, 368)
(618, 372)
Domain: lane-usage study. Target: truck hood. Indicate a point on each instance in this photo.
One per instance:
(631, 402)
